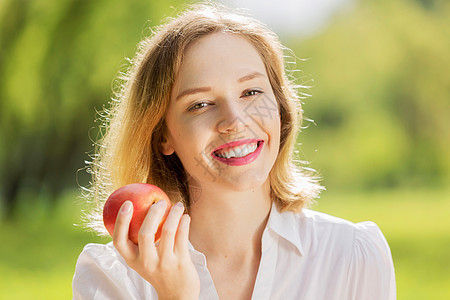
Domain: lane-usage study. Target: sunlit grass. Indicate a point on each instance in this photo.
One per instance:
(38, 256)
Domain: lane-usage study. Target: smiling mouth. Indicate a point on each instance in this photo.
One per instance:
(236, 150)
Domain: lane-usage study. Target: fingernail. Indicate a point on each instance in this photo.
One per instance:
(126, 207)
(161, 203)
(179, 204)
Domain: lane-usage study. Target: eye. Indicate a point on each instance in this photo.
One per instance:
(198, 106)
(251, 93)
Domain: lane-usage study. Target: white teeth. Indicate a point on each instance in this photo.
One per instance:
(239, 151)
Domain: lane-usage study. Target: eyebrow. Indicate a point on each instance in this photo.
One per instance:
(207, 89)
(193, 91)
(250, 76)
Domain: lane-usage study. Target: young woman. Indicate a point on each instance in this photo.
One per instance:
(208, 114)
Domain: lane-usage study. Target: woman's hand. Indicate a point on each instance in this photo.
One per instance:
(167, 266)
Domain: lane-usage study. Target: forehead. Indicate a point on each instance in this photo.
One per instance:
(219, 55)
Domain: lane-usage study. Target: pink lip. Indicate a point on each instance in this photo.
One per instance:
(239, 161)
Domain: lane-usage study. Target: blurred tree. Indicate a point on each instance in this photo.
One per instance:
(381, 96)
(57, 62)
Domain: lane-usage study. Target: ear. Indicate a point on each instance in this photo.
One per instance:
(166, 147)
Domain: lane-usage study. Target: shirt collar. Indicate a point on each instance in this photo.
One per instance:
(197, 257)
(286, 225)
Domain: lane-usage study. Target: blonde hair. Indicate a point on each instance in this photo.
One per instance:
(134, 128)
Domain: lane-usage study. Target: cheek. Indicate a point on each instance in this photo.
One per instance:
(190, 142)
(276, 134)
(275, 129)
(275, 124)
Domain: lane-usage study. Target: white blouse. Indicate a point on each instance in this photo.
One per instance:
(307, 255)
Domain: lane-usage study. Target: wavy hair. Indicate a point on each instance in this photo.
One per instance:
(134, 126)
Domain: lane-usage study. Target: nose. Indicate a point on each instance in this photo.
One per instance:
(233, 118)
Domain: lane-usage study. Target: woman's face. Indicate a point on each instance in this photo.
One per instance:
(223, 120)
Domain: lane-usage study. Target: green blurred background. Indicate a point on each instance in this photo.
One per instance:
(380, 86)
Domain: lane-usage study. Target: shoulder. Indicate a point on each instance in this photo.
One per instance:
(312, 216)
(100, 254)
(320, 229)
(325, 228)
(102, 273)
(99, 257)
(360, 248)
(324, 223)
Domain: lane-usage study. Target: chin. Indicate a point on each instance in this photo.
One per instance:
(243, 182)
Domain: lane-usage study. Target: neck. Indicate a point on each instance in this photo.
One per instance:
(229, 223)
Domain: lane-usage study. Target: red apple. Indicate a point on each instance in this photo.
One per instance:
(142, 195)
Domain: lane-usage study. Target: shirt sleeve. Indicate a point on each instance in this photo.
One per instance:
(371, 271)
(101, 273)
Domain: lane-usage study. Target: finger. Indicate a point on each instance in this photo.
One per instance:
(182, 236)
(170, 228)
(121, 241)
(146, 237)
